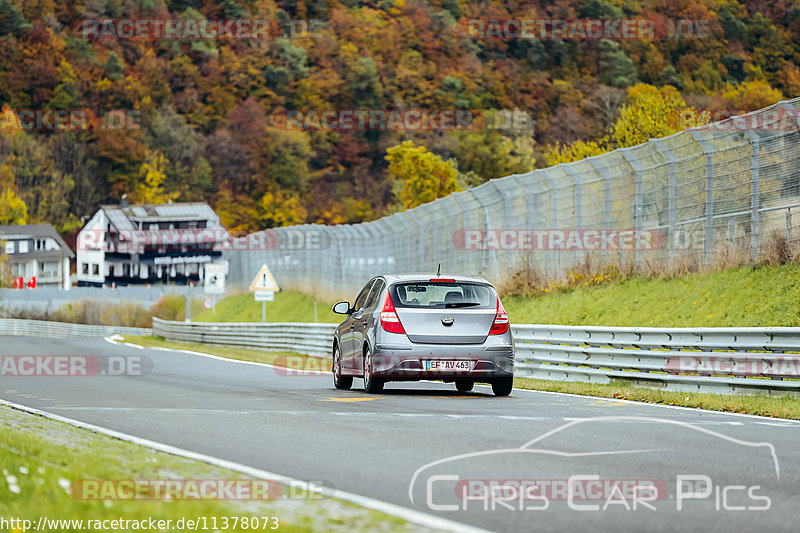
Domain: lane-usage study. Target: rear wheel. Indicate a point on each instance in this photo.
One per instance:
(502, 386)
(340, 381)
(372, 384)
(464, 385)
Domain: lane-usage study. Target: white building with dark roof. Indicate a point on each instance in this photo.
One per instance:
(149, 244)
(37, 251)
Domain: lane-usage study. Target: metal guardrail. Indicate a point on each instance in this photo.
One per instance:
(721, 360)
(43, 328)
(310, 339)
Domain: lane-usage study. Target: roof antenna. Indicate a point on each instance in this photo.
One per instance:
(439, 270)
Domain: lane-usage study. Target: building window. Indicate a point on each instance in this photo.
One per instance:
(85, 268)
(95, 269)
(23, 247)
(10, 247)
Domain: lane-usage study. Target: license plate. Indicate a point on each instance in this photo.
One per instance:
(439, 365)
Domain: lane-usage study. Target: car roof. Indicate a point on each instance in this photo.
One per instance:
(426, 276)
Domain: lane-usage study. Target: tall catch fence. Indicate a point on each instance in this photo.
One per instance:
(688, 197)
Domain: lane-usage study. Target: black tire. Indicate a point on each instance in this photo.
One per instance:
(372, 385)
(464, 385)
(339, 381)
(502, 386)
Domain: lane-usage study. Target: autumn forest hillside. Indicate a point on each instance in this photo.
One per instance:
(212, 112)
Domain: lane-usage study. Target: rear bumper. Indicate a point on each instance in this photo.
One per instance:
(408, 362)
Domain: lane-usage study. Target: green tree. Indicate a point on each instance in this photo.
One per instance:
(114, 66)
(10, 19)
(616, 68)
(422, 175)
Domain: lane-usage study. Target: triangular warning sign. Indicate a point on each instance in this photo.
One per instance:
(264, 281)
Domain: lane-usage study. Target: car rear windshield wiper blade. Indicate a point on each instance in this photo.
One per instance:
(462, 304)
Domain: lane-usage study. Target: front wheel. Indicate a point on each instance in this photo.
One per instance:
(372, 384)
(340, 381)
(503, 386)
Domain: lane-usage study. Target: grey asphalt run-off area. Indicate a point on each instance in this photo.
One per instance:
(427, 447)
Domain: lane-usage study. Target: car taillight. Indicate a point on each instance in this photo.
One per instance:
(389, 319)
(500, 324)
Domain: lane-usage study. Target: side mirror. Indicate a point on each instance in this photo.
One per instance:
(341, 308)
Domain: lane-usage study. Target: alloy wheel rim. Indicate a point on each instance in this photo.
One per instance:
(336, 370)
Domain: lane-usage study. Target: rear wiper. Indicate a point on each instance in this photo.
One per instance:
(462, 304)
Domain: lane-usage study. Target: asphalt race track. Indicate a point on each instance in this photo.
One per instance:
(426, 447)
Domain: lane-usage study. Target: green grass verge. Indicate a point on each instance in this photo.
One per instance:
(738, 297)
(750, 296)
(773, 406)
(40, 458)
(289, 306)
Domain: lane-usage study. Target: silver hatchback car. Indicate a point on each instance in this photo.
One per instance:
(408, 327)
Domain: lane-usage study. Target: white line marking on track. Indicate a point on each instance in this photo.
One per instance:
(631, 402)
(405, 513)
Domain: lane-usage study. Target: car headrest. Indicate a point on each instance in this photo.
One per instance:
(453, 297)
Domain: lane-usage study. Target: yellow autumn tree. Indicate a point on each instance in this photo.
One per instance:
(650, 112)
(751, 95)
(12, 208)
(150, 189)
(422, 176)
(280, 208)
(576, 151)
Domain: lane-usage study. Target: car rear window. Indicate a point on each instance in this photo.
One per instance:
(442, 295)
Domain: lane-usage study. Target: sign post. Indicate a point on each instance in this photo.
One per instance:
(264, 288)
(214, 283)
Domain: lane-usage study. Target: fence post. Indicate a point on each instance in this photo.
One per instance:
(466, 264)
(407, 240)
(487, 226)
(606, 197)
(755, 185)
(671, 196)
(553, 212)
(578, 202)
(708, 238)
(637, 209)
